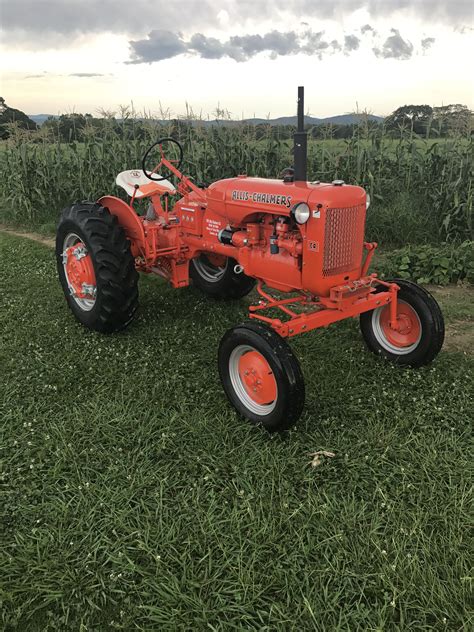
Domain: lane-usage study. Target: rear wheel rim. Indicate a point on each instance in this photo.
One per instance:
(210, 269)
(79, 272)
(400, 342)
(253, 380)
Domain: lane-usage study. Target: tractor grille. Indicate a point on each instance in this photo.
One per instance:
(343, 239)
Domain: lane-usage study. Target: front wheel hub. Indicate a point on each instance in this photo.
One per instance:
(257, 377)
(405, 336)
(253, 380)
(79, 272)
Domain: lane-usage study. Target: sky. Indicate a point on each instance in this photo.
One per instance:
(244, 56)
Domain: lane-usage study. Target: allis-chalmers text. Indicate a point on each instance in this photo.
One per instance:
(263, 198)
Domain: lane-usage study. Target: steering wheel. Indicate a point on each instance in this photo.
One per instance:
(149, 174)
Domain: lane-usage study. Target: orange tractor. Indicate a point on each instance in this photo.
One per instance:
(301, 243)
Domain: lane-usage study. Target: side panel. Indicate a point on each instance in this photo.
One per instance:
(280, 271)
(129, 220)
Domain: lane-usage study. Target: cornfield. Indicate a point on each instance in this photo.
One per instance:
(422, 190)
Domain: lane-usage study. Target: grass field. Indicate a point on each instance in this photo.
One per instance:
(134, 498)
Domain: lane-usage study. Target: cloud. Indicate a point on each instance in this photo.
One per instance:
(427, 43)
(211, 48)
(395, 47)
(32, 20)
(161, 45)
(367, 29)
(464, 29)
(86, 74)
(274, 42)
(80, 75)
(351, 42)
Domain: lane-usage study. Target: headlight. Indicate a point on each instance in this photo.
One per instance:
(301, 212)
(367, 201)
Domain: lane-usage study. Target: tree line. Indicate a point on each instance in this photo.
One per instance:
(422, 120)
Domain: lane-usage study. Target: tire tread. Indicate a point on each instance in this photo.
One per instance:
(116, 276)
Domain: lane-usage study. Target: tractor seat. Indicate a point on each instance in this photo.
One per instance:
(146, 187)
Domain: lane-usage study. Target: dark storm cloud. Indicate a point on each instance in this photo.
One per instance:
(32, 20)
(395, 47)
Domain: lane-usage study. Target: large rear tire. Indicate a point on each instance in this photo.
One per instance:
(261, 376)
(96, 268)
(215, 276)
(421, 334)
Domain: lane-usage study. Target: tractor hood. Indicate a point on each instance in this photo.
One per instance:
(238, 199)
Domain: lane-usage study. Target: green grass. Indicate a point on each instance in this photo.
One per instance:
(134, 498)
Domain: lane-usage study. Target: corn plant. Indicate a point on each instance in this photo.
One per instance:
(421, 190)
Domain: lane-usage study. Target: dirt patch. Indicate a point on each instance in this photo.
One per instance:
(451, 291)
(460, 336)
(47, 241)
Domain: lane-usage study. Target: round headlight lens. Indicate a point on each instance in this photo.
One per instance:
(301, 212)
(367, 201)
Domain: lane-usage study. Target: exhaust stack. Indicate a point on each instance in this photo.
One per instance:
(300, 147)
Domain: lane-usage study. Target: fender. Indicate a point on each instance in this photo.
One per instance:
(129, 221)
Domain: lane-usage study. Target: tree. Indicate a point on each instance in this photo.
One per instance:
(410, 117)
(446, 120)
(11, 115)
(452, 119)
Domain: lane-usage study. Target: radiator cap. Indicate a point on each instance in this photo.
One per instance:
(338, 183)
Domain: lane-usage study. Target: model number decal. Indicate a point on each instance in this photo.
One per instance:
(213, 227)
(263, 198)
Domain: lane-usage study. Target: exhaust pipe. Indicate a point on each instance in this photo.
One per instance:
(300, 146)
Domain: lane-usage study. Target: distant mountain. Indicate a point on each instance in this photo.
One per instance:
(340, 119)
(39, 119)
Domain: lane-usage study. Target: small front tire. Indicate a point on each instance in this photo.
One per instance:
(261, 376)
(421, 335)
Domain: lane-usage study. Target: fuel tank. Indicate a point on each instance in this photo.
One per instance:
(239, 199)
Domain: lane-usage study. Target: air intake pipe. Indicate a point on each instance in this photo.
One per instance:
(300, 147)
